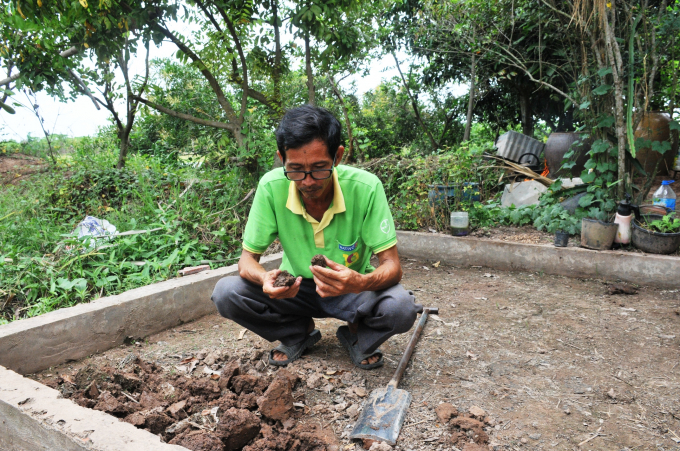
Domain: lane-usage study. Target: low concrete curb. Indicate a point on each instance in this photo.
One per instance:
(33, 417)
(642, 269)
(33, 344)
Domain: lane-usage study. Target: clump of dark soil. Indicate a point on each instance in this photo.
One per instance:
(467, 429)
(229, 405)
(284, 279)
(319, 260)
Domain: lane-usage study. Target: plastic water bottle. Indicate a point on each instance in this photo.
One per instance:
(665, 196)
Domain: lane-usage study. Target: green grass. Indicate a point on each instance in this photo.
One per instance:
(43, 267)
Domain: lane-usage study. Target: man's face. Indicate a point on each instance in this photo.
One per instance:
(310, 157)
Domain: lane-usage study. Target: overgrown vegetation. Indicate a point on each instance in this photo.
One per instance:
(194, 216)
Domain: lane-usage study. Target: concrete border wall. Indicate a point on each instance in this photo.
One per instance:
(34, 417)
(33, 344)
(642, 269)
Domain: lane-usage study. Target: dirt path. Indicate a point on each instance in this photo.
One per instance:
(553, 362)
(19, 167)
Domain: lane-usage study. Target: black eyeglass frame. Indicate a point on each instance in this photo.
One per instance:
(310, 173)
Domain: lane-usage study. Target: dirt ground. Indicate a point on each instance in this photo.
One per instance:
(19, 167)
(553, 363)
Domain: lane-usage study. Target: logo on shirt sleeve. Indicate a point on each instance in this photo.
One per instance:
(385, 226)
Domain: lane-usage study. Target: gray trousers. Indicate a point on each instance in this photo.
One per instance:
(379, 314)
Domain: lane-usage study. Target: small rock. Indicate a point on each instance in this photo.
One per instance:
(211, 358)
(534, 436)
(477, 412)
(177, 407)
(524, 440)
(340, 407)
(352, 411)
(380, 446)
(230, 370)
(612, 394)
(491, 421)
(567, 411)
(256, 355)
(106, 402)
(136, 419)
(277, 402)
(360, 392)
(314, 381)
(92, 392)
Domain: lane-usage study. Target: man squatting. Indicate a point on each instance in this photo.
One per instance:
(315, 206)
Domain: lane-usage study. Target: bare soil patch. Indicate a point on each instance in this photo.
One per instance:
(514, 360)
(18, 167)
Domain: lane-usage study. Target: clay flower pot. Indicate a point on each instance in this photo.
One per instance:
(655, 126)
(557, 146)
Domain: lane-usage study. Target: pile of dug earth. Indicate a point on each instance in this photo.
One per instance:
(467, 429)
(227, 406)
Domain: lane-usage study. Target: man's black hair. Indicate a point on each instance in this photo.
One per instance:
(305, 124)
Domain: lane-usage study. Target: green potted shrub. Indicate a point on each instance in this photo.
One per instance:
(657, 234)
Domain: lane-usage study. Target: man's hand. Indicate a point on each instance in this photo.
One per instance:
(337, 280)
(273, 292)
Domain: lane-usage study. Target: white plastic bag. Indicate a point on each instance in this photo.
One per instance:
(95, 228)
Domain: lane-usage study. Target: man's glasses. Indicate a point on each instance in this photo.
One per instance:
(316, 174)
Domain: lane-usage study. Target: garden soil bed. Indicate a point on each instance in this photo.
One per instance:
(514, 360)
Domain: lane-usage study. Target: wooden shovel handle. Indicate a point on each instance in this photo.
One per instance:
(411, 346)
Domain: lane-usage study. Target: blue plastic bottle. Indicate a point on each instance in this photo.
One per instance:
(665, 195)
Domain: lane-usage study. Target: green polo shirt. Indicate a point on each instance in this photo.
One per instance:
(357, 224)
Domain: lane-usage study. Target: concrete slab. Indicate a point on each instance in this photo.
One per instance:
(642, 269)
(34, 344)
(34, 417)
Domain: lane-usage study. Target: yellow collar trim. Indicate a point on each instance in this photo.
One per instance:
(294, 204)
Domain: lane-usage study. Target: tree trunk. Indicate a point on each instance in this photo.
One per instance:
(617, 75)
(276, 74)
(310, 74)
(525, 113)
(349, 153)
(471, 101)
(124, 144)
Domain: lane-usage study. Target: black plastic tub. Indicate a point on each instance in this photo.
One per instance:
(654, 242)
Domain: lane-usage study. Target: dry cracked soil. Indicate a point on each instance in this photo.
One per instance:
(514, 360)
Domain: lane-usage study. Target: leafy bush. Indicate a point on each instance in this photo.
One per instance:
(196, 215)
(408, 178)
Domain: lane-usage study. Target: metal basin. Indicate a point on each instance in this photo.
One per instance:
(598, 235)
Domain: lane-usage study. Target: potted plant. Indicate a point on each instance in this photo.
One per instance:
(657, 234)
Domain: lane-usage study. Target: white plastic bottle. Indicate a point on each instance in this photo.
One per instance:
(623, 218)
(665, 196)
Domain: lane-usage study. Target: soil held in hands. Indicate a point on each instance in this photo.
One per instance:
(319, 260)
(285, 279)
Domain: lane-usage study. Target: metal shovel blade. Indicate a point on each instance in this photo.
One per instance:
(383, 415)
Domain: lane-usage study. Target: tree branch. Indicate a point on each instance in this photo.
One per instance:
(414, 104)
(244, 66)
(184, 116)
(65, 54)
(212, 81)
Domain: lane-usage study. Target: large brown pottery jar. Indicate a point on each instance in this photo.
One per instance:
(557, 146)
(655, 126)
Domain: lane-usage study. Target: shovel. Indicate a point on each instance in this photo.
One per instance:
(385, 408)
